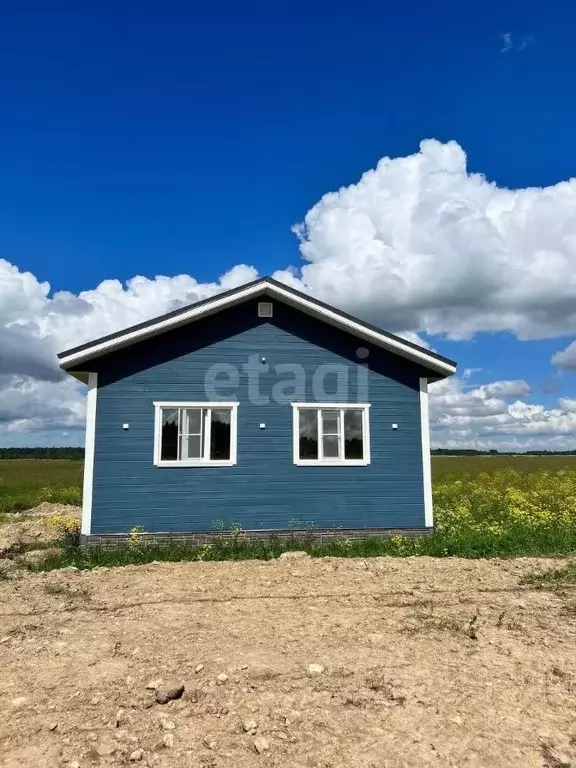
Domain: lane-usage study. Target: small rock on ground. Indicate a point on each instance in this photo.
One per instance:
(249, 725)
(222, 678)
(106, 748)
(261, 745)
(138, 754)
(315, 669)
(168, 692)
(297, 554)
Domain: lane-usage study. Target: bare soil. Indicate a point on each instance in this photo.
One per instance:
(426, 663)
(32, 527)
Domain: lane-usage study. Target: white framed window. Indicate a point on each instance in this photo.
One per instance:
(195, 434)
(331, 434)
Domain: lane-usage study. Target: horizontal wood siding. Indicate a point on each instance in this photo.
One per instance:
(264, 490)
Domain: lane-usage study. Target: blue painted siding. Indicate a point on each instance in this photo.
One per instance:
(265, 490)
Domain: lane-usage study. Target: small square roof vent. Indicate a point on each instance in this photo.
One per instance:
(265, 309)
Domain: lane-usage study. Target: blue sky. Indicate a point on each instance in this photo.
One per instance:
(166, 138)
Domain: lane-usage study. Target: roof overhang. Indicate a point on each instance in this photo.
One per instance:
(77, 360)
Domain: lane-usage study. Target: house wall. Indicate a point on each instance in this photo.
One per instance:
(265, 490)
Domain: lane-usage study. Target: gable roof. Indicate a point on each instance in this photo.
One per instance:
(78, 358)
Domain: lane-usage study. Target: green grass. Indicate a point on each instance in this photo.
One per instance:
(442, 465)
(552, 578)
(35, 473)
(516, 544)
(24, 483)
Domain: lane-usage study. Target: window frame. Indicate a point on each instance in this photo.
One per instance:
(213, 405)
(331, 462)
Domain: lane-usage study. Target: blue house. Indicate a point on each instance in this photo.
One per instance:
(260, 407)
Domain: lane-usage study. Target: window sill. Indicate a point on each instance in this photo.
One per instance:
(223, 463)
(331, 463)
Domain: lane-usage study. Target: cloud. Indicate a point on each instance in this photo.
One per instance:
(567, 404)
(507, 42)
(421, 244)
(566, 358)
(469, 373)
(35, 396)
(24, 352)
(26, 404)
(512, 42)
(35, 326)
(505, 389)
(490, 417)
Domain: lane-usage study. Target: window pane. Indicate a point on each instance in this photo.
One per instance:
(194, 421)
(308, 433)
(220, 434)
(353, 445)
(190, 447)
(330, 422)
(169, 436)
(330, 445)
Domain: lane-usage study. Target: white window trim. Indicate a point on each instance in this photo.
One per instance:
(364, 407)
(158, 462)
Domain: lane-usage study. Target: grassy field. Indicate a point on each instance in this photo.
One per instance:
(38, 473)
(24, 483)
(483, 507)
(448, 464)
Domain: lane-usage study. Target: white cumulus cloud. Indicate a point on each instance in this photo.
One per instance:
(35, 396)
(420, 243)
(493, 416)
(566, 358)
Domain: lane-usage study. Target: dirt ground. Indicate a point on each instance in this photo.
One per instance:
(30, 528)
(410, 677)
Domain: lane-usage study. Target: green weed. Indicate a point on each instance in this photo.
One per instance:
(552, 578)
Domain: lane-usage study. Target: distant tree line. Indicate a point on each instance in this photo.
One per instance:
(494, 452)
(42, 453)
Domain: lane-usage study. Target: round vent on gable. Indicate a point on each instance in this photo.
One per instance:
(264, 309)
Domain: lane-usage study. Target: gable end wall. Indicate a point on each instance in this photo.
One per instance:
(265, 490)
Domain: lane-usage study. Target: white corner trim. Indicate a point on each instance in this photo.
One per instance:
(159, 462)
(321, 462)
(350, 325)
(426, 459)
(88, 483)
